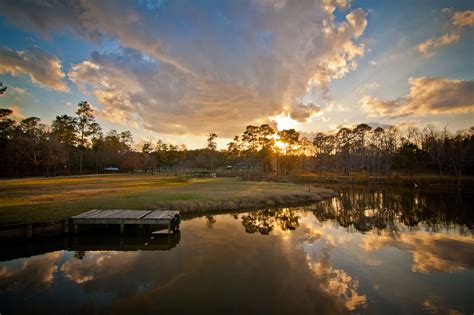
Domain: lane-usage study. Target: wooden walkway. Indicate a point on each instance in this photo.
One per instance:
(122, 217)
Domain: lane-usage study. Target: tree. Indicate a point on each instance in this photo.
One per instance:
(434, 142)
(250, 139)
(31, 133)
(148, 160)
(97, 146)
(6, 133)
(318, 142)
(378, 148)
(234, 148)
(6, 124)
(409, 156)
(54, 153)
(211, 147)
(65, 129)
(211, 143)
(266, 141)
(86, 126)
(344, 140)
(290, 140)
(459, 149)
(360, 134)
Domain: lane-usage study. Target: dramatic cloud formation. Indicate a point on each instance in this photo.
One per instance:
(42, 67)
(459, 21)
(430, 252)
(427, 96)
(175, 73)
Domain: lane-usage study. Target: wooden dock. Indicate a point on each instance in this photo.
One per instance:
(123, 217)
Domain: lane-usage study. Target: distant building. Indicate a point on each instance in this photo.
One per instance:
(111, 169)
(200, 173)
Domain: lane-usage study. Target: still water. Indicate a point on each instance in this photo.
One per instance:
(366, 251)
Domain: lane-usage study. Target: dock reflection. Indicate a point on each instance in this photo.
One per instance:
(93, 240)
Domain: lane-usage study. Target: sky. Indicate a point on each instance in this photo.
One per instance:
(179, 70)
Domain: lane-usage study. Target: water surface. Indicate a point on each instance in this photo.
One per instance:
(366, 251)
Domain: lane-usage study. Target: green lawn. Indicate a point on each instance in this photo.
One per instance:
(37, 199)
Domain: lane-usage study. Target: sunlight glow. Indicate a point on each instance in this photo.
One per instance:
(285, 122)
(280, 145)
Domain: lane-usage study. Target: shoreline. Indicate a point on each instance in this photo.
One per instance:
(58, 226)
(420, 180)
(293, 199)
(40, 200)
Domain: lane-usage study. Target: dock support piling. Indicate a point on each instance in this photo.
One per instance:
(66, 226)
(122, 228)
(76, 228)
(29, 230)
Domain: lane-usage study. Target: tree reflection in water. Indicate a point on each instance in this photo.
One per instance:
(366, 209)
(79, 254)
(263, 221)
(210, 220)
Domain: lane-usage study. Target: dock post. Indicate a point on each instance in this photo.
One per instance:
(66, 226)
(76, 228)
(169, 228)
(122, 228)
(29, 230)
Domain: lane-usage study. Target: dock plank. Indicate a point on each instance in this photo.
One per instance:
(86, 214)
(132, 214)
(157, 214)
(103, 214)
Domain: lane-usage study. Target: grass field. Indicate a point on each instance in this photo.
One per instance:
(37, 199)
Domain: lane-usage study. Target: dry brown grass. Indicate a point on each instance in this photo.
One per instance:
(36, 199)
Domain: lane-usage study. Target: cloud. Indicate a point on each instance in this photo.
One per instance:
(94, 265)
(428, 95)
(43, 68)
(228, 64)
(430, 252)
(18, 91)
(463, 18)
(357, 21)
(164, 99)
(338, 283)
(32, 276)
(367, 87)
(17, 113)
(378, 107)
(459, 20)
(304, 112)
(334, 281)
(427, 47)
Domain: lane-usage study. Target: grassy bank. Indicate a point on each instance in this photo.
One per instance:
(38, 199)
(426, 180)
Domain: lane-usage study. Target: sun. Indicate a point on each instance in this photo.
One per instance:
(285, 122)
(280, 145)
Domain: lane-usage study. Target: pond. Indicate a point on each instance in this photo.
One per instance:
(366, 251)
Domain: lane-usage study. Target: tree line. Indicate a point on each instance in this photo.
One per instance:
(76, 144)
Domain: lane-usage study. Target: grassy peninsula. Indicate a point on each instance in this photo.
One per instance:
(38, 199)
